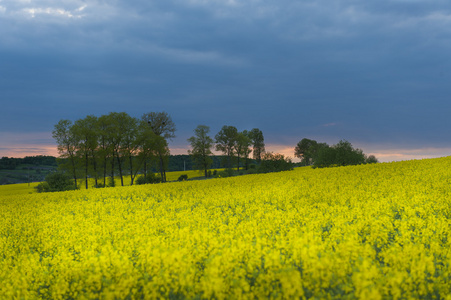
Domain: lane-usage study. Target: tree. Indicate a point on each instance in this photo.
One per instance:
(86, 136)
(162, 125)
(226, 141)
(371, 159)
(104, 152)
(242, 147)
(258, 143)
(341, 154)
(347, 155)
(148, 143)
(114, 138)
(307, 150)
(201, 144)
(129, 145)
(274, 162)
(66, 145)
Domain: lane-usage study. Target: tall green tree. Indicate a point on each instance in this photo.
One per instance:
(148, 143)
(201, 145)
(67, 146)
(105, 151)
(129, 145)
(113, 137)
(162, 125)
(120, 135)
(307, 150)
(86, 136)
(242, 148)
(226, 141)
(258, 144)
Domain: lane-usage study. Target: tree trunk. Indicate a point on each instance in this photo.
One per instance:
(74, 170)
(86, 170)
(162, 173)
(120, 168)
(104, 172)
(112, 171)
(94, 165)
(131, 169)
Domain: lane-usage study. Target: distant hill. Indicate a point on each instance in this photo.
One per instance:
(27, 169)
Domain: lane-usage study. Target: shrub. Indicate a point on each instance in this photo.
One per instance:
(226, 173)
(55, 182)
(150, 178)
(140, 180)
(43, 187)
(371, 159)
(183, 177)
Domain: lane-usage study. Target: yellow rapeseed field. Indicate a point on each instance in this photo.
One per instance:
(366, 232)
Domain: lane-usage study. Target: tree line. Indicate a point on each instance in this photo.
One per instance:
(113, 145)
(322, 155)
(236, 147)
(11, 163)
(117, 145)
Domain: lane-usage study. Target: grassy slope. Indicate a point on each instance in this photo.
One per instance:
(25, 188)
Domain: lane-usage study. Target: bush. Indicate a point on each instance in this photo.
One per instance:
(43, 187)
(183, 177)
(150, 178)
(140, 180)
(371, 160)
(226, 173)
(56, 182)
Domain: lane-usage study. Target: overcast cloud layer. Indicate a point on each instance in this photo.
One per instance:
(376, 72)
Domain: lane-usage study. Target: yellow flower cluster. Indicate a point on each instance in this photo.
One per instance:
(377, 231)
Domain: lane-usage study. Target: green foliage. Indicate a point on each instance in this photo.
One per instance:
(258, 143)
(183, 177)
(371, 159)
(140, 180)
(150, 178)
(225, 173)
(201, 144)
(242, 148)
(226, 141)
(307, 150)
(274, 162)
(55, 182)
(7, 163)
(321, 155)
(43, 187)
(341, 154)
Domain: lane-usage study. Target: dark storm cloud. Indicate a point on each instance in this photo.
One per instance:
(372, 72)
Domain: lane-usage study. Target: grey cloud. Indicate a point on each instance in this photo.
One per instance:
(379, 70)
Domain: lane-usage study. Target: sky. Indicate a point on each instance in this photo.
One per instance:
(374, 72)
